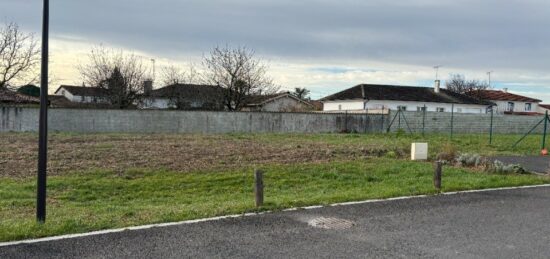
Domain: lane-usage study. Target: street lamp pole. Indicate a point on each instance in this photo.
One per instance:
(43, 123)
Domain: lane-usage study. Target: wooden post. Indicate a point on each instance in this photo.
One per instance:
(259, 187)
(437, 175)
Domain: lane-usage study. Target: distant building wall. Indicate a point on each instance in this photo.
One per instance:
(394, 105)
(503, 106)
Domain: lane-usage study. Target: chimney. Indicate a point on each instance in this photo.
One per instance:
(147, 86)
(437, 87)
(505, 90)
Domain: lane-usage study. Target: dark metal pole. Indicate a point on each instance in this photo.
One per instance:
(491, 129)
(43, 123)
(424, 120)
(452, 119)
(546, 118)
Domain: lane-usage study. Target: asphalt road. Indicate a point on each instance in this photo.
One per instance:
(496, 224)
(537, 164)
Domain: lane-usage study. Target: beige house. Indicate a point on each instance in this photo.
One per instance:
(282, 102)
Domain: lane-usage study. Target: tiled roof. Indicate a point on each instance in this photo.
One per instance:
(497, 95)
(403, 93)
(60, 101)
(204, 92)
(545, 106)
(85, 91)
(257, 100)
(11, 97)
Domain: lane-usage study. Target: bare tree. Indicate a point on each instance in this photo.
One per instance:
(301, 93)
(172, 75)
(239, 73)
(176, 77)
(19, 55)
(459, 84)
(120, 74)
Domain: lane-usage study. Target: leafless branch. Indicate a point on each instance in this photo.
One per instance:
(19, 55)
(239, 72)
(459, 84)
(121, 74)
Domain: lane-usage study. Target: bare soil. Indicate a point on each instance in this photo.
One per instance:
(182, 153)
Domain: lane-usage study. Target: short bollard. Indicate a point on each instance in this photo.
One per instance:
(259, 187)
(437, 175)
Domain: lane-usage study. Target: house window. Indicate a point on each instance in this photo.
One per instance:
(402, 108)
(459, 110)
(528, 107)
(62, 92)
(339, 107)
(440, 109)
(421, 108)
(510, 107)
(82, 98)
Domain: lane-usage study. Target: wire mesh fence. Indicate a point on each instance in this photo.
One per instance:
(454, 124)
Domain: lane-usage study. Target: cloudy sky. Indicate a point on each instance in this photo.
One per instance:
(322, 45)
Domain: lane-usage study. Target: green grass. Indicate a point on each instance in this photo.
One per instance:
(87, 201)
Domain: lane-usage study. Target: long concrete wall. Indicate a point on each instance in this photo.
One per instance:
(148, 121)
(438, 122)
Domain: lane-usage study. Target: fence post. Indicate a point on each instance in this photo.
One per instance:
(424, 120)
(366, 120)
(437, 175)
(347, 126)
(399, 119)
(383, 119)
(452, 119)
(491, 128)
(546, 119)
(259, 187)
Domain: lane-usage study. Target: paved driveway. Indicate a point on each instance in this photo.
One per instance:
(537, 164)
(496, 224)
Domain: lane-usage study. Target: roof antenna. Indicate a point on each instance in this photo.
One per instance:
(489, 74)
(437, 71)
(153, 62)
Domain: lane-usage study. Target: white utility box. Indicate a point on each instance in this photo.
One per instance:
(419, 151)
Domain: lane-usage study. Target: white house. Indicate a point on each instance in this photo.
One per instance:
(508, 103)
(380, 98)
(281, 102)
(82, 94)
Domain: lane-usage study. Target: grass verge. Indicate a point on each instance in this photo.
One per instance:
(96, 200)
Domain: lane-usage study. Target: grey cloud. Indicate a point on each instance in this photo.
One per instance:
(469, 34)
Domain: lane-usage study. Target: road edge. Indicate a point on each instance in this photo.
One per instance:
(160, 225)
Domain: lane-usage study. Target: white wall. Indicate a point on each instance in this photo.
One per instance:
(343, 105)
(393, 105)
(67, 94)
(155, 103)
(502, 106)
(80, 99)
